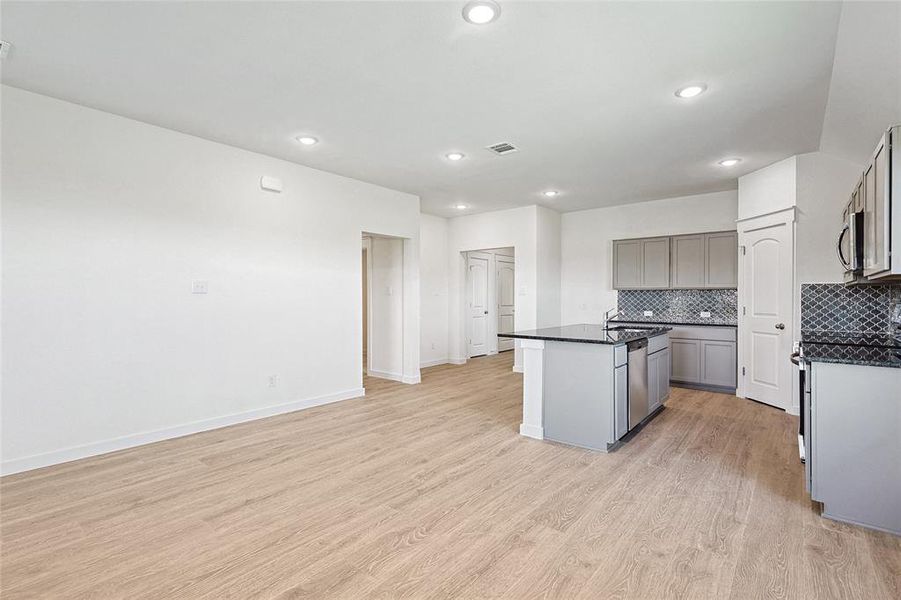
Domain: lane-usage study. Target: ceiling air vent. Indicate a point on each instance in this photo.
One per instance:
(503, 148)
(4, 48)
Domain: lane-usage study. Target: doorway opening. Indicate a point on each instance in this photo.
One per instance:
(382, 285)
(490, 300)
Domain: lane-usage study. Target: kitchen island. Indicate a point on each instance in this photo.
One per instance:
(589, 386)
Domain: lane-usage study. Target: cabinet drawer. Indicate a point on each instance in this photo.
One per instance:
(687, 332)
(657, 343)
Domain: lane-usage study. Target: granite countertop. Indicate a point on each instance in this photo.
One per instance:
(585, 334)
(692, 322)
(852, 348)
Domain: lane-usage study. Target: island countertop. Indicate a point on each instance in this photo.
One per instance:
(587, 334)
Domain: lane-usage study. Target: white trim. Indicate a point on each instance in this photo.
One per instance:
(18, 465)
(386, 375)
(433, 363)
(517, 368)
(457, 361)
(531, 431)
(411, 380)
(774, 213)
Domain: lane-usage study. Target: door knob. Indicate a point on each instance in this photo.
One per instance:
(780, 326)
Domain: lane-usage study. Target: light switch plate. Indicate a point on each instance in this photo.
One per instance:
(649, 313)
(199, 286)
(705, 314)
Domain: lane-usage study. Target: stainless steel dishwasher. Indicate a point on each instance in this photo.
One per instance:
(638, 381)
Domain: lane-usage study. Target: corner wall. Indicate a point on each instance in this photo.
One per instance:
(108, 221)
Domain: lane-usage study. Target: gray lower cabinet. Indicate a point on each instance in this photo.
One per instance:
(718, 363)
(621, 401)
(658, 378)
(686, 360)
(854, 455)
(704, 356)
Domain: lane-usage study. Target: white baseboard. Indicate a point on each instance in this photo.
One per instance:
(532, 431)
(517, 368)
(411, 380)
(19, 465)
(457, 361)
(434, 363)
(386, 375)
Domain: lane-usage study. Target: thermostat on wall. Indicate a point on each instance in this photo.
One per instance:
(273, 184)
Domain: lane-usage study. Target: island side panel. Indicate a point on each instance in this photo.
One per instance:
(532, 389)
(578, 394)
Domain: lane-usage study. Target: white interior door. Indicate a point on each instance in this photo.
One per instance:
(505, 300)
(767, 314)
(477, 288)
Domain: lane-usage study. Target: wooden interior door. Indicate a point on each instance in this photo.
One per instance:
(506, 296)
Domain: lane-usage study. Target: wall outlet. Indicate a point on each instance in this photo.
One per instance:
(705, 314)
(199, 286)
(649, 313)
(273, 381)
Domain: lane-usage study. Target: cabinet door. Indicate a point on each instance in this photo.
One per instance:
(627, 264)
(876, 211)
(663, 371)
(721, 254)
(655, 263)
(686, 360)
(653, 381)
(718, 366)
(621, 401)
(688, 261)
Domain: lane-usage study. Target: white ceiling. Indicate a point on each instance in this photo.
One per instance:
(584, 89)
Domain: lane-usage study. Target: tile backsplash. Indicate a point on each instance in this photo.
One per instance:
(680, 306)
(836, 307)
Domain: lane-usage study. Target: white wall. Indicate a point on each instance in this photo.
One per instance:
(549, 278)
(433, 274)
(386, 301)
(106, 222)
(515, 228)
(768, 190)
(587, 243)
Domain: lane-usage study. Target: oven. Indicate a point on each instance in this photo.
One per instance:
(805, 437)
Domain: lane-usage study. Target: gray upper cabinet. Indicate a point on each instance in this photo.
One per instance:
(627, 264)
(704, 260)
(721, 256)
(641, 264)
(655, 266)
(688, 261)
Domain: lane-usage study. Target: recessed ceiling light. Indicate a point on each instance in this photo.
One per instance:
(729, 162)
(690, 91)
(307, 140)
(551, 193)
(481, 12)
(461, 206)
(455, 156)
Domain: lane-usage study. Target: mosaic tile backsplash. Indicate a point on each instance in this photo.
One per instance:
(861, 308)
(679, 306)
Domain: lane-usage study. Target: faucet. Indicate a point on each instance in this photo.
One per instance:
(608, 316)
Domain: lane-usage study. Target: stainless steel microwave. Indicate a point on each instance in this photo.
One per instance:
(850, 243)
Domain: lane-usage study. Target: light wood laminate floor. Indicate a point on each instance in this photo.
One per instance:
(428, 491)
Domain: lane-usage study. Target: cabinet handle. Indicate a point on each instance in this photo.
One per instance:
(780, 326)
